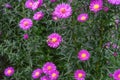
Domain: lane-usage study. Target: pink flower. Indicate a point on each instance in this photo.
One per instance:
(25, 23)
(37, 4)
(115, 2)
(116, 74)
(115, 54)
(105, 9)
(83, 55)
(38, 15)
(96, 5)
(117, 21)
(110, 75)
(36, 73)
(29, 3)
(79, 74)
(9, 71)
(107, 45)
(54, 17)
(53, 0)
(54, 75)
(7, 5)
(54, 40)
(48, 67)
(44, 78)
(25, 36)
(63, 10)
(82, 17)
(114, 45)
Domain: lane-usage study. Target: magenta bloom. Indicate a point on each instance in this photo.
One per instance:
(83, 55)
(110, 75)
(48, 67)
(115, 54)
(96, 5)
(38, 15)
(106, 9)
(63, 10)
(44, 78)
(9, 71)
(54, 17)
(116, 74)
(54, 40)
(54, 75)
(82, 17)
(25, 36)
(37, 4)
(53, 0)
(36, 73)
(7, 5)
(107, 45)
(25, 23)
(29, 3)
(115, 2)
(114, 45)
(79, 74)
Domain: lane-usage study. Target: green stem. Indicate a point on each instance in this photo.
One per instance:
(101, 36)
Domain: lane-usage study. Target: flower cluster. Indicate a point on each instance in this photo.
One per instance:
(49, 71)
(61, 11)
(31, 4)
(27, 23)
(114, 2)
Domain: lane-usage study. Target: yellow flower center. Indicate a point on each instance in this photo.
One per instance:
(54, 40)
(53, 75)
(30, 3)
(25, 23)
(49, 67)
(37, 73)
(80, 75)
(39, 15)
(96, 6)
(83, 55)
(83, 18)
(63, 10)
(119, 76)
(9, 71)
